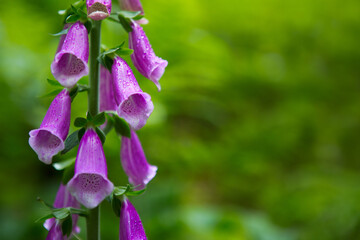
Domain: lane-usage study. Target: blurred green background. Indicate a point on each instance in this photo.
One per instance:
(255, 132)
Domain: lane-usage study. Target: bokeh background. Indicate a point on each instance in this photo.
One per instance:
(255, 132)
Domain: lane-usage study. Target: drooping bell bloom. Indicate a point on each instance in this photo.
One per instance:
(98, 9)
(131, 227)
(106, 92)
(90, 184)
(49, 139)
(143, 57)
(134, 163)
(63, 199)
(131, 5)
(133, 104)
(71, 60)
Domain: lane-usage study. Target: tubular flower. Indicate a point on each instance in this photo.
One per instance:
(134, 163)
(98, 9)
(90, 184)
(70, 62)
(107, 100)
(130, 223)
(49, 139)
(63, 199)
(143, 57)
(133, 104)
(131, 5)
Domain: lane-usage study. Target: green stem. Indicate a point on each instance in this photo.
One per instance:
(94, 66)
(93, 222)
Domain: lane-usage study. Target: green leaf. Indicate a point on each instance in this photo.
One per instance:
(64, 164)
(99, 119)
(126, 23)
(112, 19)
(47, 205)
(135, 193)
(61, 213)
(43, 218)
(124, 52)
(80, 212)
(68, 174)
(80, 122)
(51, 94)
(53, 83)
(81, 133)
(121, 127)
(83, 88)
(89, 117)
(116, 205)
(109, 124)
(72, 18)
(129, 14)
(106, 61)
(101, 134)
(62, 32)
(73, 92)
(82, 13)
(118, 191)
(71, 141)
(88, 26)
(66, 226)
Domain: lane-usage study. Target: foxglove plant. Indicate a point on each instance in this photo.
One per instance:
(115, 101)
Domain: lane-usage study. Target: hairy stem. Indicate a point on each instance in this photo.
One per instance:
(93, 222)
(94, 66)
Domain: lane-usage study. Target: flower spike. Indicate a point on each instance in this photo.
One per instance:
(133, 104)
(49, 139)
(63, 199)
(131, 227)
(98, 9)
(71, 60)
(90, 184)
(134, 163)
(143, 57)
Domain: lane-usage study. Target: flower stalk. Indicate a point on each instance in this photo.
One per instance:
(93, 220)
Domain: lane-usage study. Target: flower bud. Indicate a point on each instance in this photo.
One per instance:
(133, 104)
(98, 9)
(134, 163)
(143, 57)
(90, 184)
(71, 60)
(49, 139)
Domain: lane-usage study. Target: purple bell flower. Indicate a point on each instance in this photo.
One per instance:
(71, 60)
(130, 223)
(131, 5)
(49, 139)
(134, 163)
(90, 184)
(63, 199)
(106, 92)
(143, 57)
(134, 105)
(98, 9)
